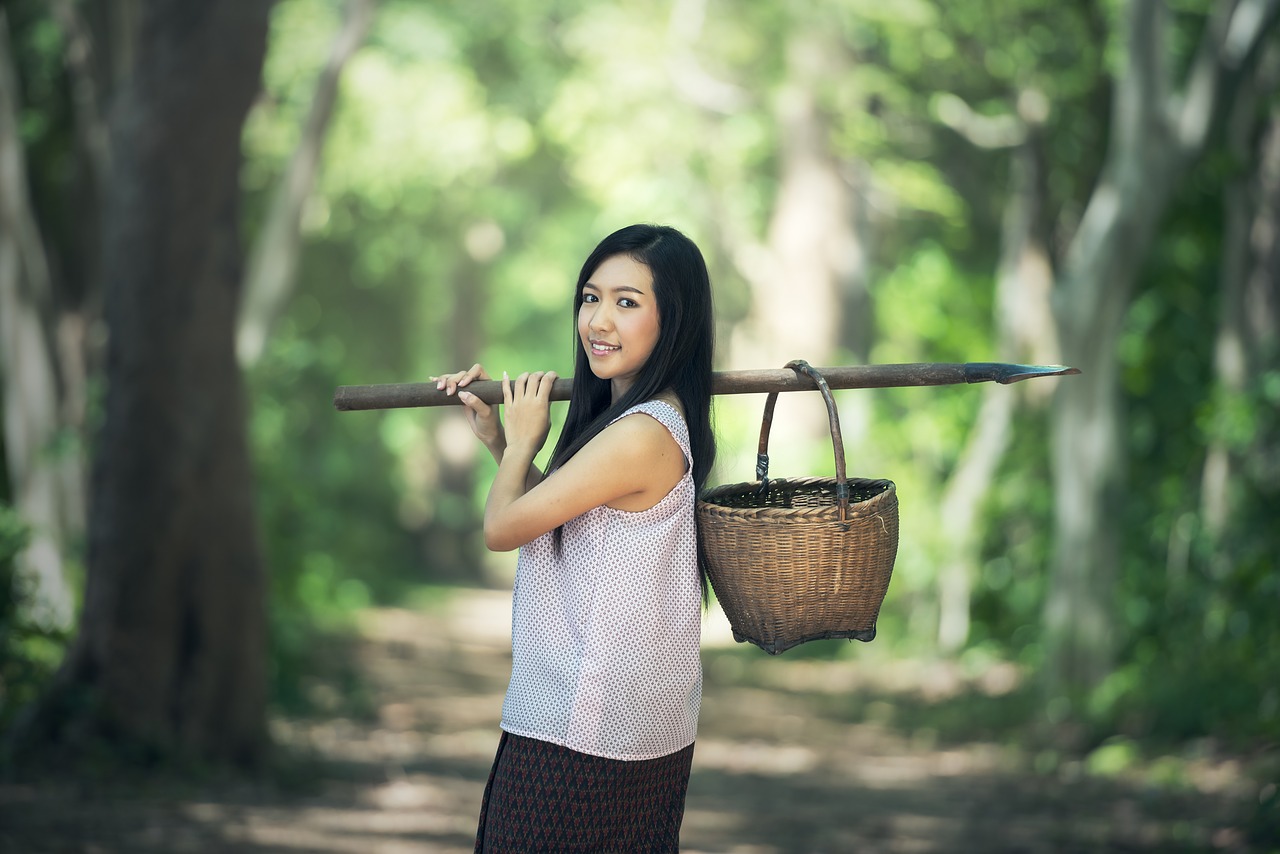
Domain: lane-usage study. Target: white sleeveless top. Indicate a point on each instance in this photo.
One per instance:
(605, 636)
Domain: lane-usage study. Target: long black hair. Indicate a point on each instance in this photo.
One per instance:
(681, 358)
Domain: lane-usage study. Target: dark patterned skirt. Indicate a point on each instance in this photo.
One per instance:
(544, 797)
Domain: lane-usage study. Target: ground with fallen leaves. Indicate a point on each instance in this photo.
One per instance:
(856, 753)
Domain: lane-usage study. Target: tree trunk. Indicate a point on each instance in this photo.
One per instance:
(1156, 133)
(171, 647)
(453, 542)
(1249, 318)
(44, 483)
(1024, 330)
(813, 263)
(1261, 302)
(1087, 426)
(797, 279)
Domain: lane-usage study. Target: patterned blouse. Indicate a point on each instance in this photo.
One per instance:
(605, 636)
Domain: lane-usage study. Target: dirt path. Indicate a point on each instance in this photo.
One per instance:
(793, 755)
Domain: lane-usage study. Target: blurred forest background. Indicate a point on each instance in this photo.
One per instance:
(212, 214)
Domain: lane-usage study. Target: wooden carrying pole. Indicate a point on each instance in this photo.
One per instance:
(399, 395)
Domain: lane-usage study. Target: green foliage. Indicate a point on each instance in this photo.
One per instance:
(1197, 604)
(1011, 588)
(326, 508)
(29, 652)
(428, 201)
(479, 150)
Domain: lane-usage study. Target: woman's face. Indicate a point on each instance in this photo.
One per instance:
(618, 320)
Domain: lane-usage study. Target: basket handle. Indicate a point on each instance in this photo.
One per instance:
(837, 440)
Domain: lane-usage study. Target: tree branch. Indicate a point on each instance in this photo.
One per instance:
(274, 260)
(990, 132)
(86, 97)
(1229, 46)
(1142, 89)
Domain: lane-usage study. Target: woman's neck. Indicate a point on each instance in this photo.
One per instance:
(617, 388)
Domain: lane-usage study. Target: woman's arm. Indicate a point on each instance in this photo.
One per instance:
(633, 463)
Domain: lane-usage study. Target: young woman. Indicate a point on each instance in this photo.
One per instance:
(602, 708)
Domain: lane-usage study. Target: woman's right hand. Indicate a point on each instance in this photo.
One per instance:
(482, 417)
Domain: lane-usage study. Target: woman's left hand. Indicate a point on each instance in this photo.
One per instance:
(527, 410)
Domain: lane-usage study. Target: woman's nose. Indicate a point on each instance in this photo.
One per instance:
(600, 320)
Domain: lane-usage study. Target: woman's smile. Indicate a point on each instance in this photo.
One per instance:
(601, 349)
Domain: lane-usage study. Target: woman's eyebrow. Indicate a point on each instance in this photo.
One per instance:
(627, 288)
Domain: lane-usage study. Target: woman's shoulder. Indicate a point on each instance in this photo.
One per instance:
(634, 440)
(670, 398)
(655, 406)
(664, 424)
(665, 419)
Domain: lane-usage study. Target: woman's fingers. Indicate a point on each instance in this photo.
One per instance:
(520, 388)
(450, 383)
(526, 384)
(545, 383)
(532, 385)
(537, 384)
(475, 372)
(475, 404)
(527, 407)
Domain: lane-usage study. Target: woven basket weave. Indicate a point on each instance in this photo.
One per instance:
(798, 559)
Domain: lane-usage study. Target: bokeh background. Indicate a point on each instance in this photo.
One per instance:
(232, 618)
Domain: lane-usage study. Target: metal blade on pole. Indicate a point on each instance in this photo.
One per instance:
(400, 395)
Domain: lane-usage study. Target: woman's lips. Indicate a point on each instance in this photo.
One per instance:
(600, 348)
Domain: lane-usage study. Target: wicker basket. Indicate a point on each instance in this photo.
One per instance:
(795, 560)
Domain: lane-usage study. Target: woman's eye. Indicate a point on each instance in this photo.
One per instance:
(589, 298)
(628, 303)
